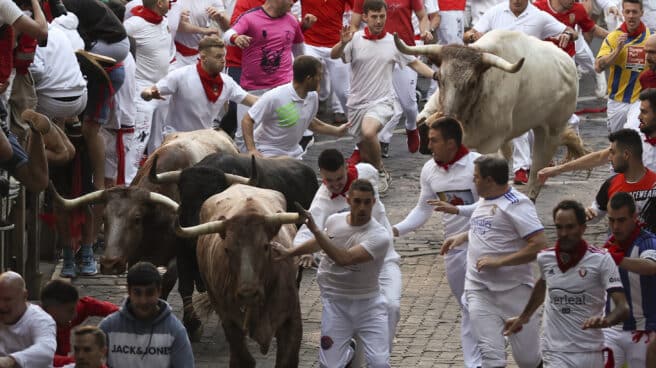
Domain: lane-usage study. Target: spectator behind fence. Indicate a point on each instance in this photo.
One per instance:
(27, 333)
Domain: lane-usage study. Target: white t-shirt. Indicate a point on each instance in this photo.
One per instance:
(198, 16)
(455, 185)
(281, 117)
(358, 281)
(55, 69)
(498, 227)
(325, 204)
(32, 340)
(189, 107)
(153, 49)
(532, 21)
(573, 297)
(68, 23)
(9, 12)
(372, 65)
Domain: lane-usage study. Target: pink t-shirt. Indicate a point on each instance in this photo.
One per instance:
(267, 61)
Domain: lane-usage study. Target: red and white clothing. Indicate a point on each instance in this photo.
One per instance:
(454, 183)
(452, 22)
(9, 12)
(572, 17)
(574, 294)
(190, 108)
(399, 13)
(186, 43)
(500, 226)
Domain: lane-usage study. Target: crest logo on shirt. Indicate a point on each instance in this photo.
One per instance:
(493, 210)
(583, 272)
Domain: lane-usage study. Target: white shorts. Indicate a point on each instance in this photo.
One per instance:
(616, 115)
(343, 319)
(488, 311)
(624, 350)
(558, 359)
(57, 109)
(382, 112)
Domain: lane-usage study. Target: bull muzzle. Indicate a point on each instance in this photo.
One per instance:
(219, 225)
(113, 265)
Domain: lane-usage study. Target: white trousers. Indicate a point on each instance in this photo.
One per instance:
(455, 263)
(241, 111)
(489, 310)
(111, 155)
(452, 27)
(620, 342)
(343, 319)
(522, 151)
(558, 359)
(405, 85)
(141, 135)
(336, 78)
(616, 114)
(56, 109)
(584, 56)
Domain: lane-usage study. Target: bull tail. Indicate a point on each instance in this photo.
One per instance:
(203, 305)
(574, 144)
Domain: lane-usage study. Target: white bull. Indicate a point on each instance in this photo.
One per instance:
(497, 100)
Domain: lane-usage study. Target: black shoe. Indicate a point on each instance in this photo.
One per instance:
(306, 142)
(384, 149)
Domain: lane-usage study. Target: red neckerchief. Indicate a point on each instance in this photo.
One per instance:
(648, 78)
(351, 176)
(651, 141)
(574, 257)
(625, 245)
(147, 14)
(373, 37)
(462, 151)
(641, 28)
(212, 85)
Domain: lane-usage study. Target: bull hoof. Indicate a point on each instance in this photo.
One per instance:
(194, 329)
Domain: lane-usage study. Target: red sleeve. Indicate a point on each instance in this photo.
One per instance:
(586, 23)
(62, 360)
(417, 5)
(357, 6)
(88, 306)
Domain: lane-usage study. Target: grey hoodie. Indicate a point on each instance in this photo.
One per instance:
(160, 342)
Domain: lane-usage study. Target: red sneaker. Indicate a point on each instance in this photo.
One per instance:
(354, 159)
(412, 140)
(521, 177)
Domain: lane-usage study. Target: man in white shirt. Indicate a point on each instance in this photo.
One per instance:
(575, 278)
(505, 235)
(199, 91)
(331, 199)
(372, 99)
(27, 333)
(448, 177)
(521, 16)
(355, 245)
(148, 26)
(285, 112)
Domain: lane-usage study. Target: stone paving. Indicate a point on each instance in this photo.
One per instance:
(428, 333)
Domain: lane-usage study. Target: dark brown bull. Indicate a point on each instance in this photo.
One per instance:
(253, 294)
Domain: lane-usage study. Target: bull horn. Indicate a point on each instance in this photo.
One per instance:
(282, 218)
(163, 200)
(70, 204)
(168, 177)
(501, 63)
(236, 179)
(416, 50)
(253, 179)
(198, 230)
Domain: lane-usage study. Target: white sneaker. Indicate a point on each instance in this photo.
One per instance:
(384, 181)
(601, 85)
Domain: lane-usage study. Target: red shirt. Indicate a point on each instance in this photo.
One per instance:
(446, 5)
(647, 79)
(233, 53)
(643, 192)
(576, 15)
(399, 17)
(325, 32)
(86, 307)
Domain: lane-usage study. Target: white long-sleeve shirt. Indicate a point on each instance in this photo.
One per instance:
(455, 185)
(32, 340)
(323, 206)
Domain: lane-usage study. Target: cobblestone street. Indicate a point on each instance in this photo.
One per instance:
(428, 333)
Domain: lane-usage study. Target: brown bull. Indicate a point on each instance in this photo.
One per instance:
(253, 294)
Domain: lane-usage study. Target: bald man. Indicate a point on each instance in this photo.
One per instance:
(27, 333)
